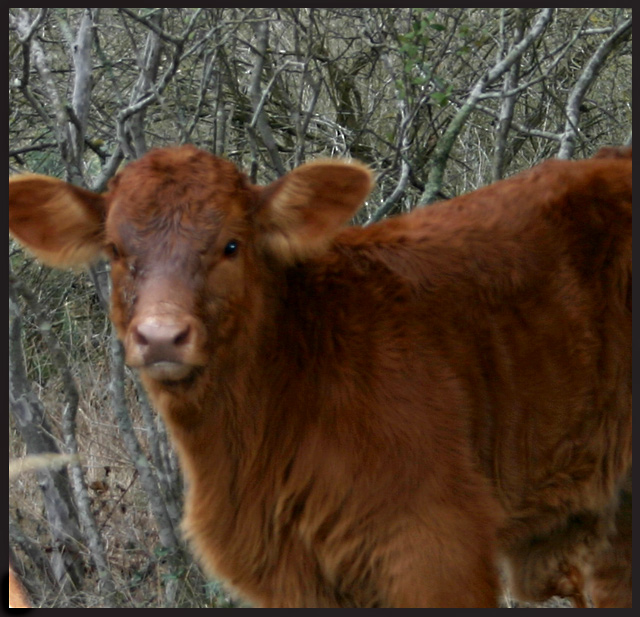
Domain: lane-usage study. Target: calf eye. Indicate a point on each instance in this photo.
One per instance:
(230, 248)
(113, 251)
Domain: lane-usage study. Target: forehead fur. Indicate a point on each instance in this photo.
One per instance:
(180, 177)
(181, 189)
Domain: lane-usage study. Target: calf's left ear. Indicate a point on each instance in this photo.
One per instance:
(61, 224)
(301, 212)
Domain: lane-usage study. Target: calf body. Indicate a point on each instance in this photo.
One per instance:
(377, 416)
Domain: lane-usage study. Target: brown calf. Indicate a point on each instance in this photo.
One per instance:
(376, 416)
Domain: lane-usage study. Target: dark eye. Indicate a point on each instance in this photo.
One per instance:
(113, 251)
(231, 248)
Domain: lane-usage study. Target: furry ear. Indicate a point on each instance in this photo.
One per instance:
(61, 224)
(301, 212)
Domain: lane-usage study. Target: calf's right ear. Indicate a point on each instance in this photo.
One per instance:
(61, 224)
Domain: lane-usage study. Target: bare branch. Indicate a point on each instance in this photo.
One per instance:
(153, 26)
(586, 79)
(402, 145)
(80, 98)
(443, 149)
(35, 148)
(521, 128)
(507, 107)
(262, 32)
(27, 32)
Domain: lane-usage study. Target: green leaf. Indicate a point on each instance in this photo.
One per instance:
(410, 50)
(440, 98)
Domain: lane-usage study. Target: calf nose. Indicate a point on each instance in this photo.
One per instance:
(153, 333)
(162, 340)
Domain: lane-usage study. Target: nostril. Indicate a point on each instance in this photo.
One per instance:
(139, 338)
(182, 337)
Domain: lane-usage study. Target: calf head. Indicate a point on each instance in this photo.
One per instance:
(189, 239)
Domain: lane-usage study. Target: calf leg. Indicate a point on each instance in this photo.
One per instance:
(610, 583)
(445, 563)
(540, 567)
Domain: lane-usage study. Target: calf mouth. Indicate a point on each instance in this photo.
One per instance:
(167, 371)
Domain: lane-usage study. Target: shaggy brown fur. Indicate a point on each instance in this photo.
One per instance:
(377, 416)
